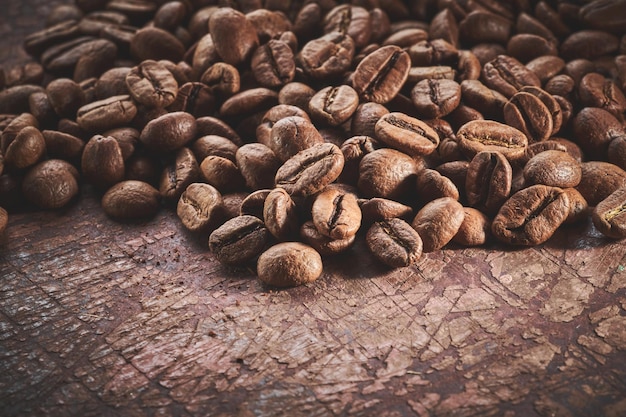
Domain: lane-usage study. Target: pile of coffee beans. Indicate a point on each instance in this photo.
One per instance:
(286, 130)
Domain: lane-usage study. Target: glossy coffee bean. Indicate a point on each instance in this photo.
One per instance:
(151, 84)
(554, 168)
(336, 213)
(381, 74)
(475, 229)
(130, 200)
(334, 105)
(28, 148)
(280, 215)
(239, 240)
(169, 132)
(436, 98)
(176, 177)
(289, 264)
(406, 134)
(599, 180)
(235, 37)
(387, 173)
(323, 244)
(437, 222)
(487, 135)
(102, 162)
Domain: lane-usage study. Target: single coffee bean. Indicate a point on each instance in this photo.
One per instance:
(327, 56)
(154, 43)
(375, 209)
(199, 207)
(387, 173)
(51, 184)
(221, 173)
(431, 185)
(102, 162)
(483, 26)
(291, 135)
(208, 125)
(170, 15)
(507, 75)
(169, 132)
(381, 74)
(553, 168)
(4, 219)
(353, 150)
(350, 20)
(336, 214)
(248, 102)
(234, 35)
(599, 180)
(223, 79)
(106, 114)
(475, 229)
(289, 264)
(444, 26)
(36, 43)
(394, 242)
(65, 97)
(488, 181)
(595, 90)
(151, 84)
(334, 105)
(296, 94)
(560, 85)
(594, 128)
(578, 207)
(214, 145)
(64, 58)
(194, 98)
(607, 15)
(15, 99)
(365, 117)
(546, 67)
(406, 37)
(488, 135)
(527, 46)
(323, 244)
(436, 98)
(273, 64)
(112, 83)
(40, 107)
(280, 215)
(609, 216)
(14, 127)
(130, 200)
(253, 203)
(258, 165)
(406, 134)
(437, 222)
(588, 44)
(433, 52)
(531, 216)
(26, 149)
(310, 170)
(62, 145)
(527, 113)
(176, 177)
(617, 151)
(477, 95)
(273, 115)
(269, 24)
(127, 138)
(239, 240)
(204, 54)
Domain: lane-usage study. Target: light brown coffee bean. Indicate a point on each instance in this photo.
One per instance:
(431, 185)
(578, 207)
(336, 214)
(234, 35)
(221, 173)
(437, 222)
(280, 215)
(239, 240)
(176, 177)
(488, 135)
(394, 242)
(327, 56)
(381, 74)
(291, 135)
(169, 132)
(151, 84)
(554, 168)
(387, 173)
(258, 165)
(102, 163)
(599, 180)
(334, 105)
(323, 244)
(406, 134)
(199, 207)
(609, 216)
(289, 264)
(488, 181)
(475, 229)
(436, 98)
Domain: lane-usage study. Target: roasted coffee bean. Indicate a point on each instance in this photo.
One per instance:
(434, 52)
(169, 132)
(553, 168)
(607, 15)
(486, 52)
(130, 200)
(578, 206)
(417, 74)
(588, 44)
(170, 15)
(258, 165)
(334, 105)
(4, 219)
(507, 75)
(106, 114)
(239, 240)
(609, 216)
(436, 98)
(531, 216)
(322, 243)
(253, 203)
(248, 102)
(599, 180)
(15, 99)
(269, 24)
(387, 173)
(365, 117)
(151, 84)
(221, 173)
(51, 184)
(336, 214)
(527, 46)
(594, 129)
(431, 184)
(560, 85)
(280, 215)
(112, 83)
(489, 135)
(444, 26)
(127, 138)
(14, 127)
(26, 149)
(40, 107)
(477, 95)
(273, 115)
(406, 134)
(483, 27)
(97, 54)
(65, 97)
(289, 264)
(177, 176)
(310, 170)
(375, 209)
(475, 229)
(199, 207)
(235, 37)
(62, 145)
(102, 163)
(551, 102)
(546, 67)
(291, 135)
(194, 98)
(154, 43)
(328, 56)
(222, 78)
(349, 20)
(296, 94)
(404, 38)
(214, 145)
(527, 113)
(394, 242)
(488, 181)
(36, 43)
(437, 222)
(597, 91)
(273, 64)
(381, 74)
(204, 54)
(617, 151)
(208, 125)
(353, 150)
(93, 23)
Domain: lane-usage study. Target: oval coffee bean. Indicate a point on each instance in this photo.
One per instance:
(28, 148)
(154, 43)
(488, 135)
(258, 165)
(106, 114)
(609, 216)
(310, 170)
(488, 181)
(375, 209)
(437, 222)
(394, 242)
(334, 105)
(199, 207)
(507, 75)
(406, 134)
(280, 214)
(169, 132)
(531, 216)
(436, 98)
(289, 264)
(239, 240)
(327, 56)
(102, 162)
(221, 173)
(336, 214)
(323, 244)
(599, 180)
(234, 35)
(291, 135)
(528, 114)
(554, 168)
(387, 173)
(176, 177)
(129, 200)
(51, 184)
(380, 75)
(151, 84)
(273, 64)
(475, 229)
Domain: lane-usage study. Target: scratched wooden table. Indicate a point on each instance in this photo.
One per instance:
(98, 318)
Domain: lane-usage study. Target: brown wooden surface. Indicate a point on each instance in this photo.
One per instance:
(99, 318)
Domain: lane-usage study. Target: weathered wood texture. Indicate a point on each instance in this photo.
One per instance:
(99, 318)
